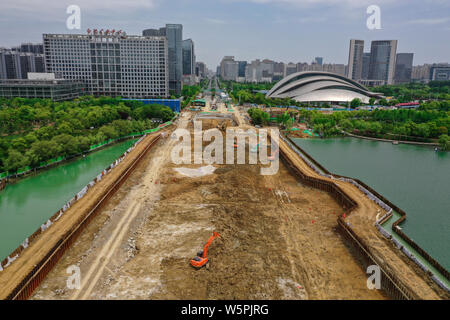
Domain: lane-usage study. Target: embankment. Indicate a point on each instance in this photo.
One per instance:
(399, 279)
(19, 279)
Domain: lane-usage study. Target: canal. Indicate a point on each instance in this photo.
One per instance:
(415, 178)
(27, 204)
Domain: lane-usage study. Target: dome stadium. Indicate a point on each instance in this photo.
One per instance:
(319, 86)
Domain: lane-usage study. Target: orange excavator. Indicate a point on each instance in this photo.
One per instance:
(202, 257)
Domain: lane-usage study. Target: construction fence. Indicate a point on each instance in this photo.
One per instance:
(390, 283)
(389, 207)
(26, 287)
(55, 217)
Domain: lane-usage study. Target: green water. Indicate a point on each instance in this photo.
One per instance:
(414, 178)
(27, 204)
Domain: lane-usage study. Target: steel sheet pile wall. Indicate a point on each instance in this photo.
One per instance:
(34, 278)
(388, 206)
(389, 282)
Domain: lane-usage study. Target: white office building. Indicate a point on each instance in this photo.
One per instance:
(110, 63)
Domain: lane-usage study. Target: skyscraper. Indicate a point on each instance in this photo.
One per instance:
(16, 65)
(110, 63)
(174, 35)
(403, 67)
(382, 60)
(319, 60)
(365, 65)
(200, 69)
(229, 69)
(32, 48)
(241, 69)
(355, 59)
(188, 57)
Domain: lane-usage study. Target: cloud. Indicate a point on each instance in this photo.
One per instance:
(27, 8)
(310, 3)
(214, 21)
(429, 21)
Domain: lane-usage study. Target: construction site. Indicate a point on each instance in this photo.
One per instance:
(282, 236)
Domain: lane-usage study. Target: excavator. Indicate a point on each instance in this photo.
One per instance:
(202, 256)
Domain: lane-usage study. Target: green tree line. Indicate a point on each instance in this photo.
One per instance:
(36, 130)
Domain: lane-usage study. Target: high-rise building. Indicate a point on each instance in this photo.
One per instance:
(290, 69)
(188, 57)
(383, 54)
(337, 68)
(403, 67)
(355, 59)
(365, 65)
(110, 63)
(174, 35)
(32, 48)
(319, 60)
(16, 65)
(200, 70)
(229, 69)
(241, 70)
(440, 72)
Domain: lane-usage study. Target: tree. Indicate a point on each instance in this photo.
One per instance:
(258, 116)
(384, 102)
(355, 103)
(444, 142)
(15, 161)
(372, 101)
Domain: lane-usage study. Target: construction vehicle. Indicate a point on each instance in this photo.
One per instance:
(202, 256)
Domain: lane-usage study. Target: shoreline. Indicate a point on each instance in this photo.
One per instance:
(428, 144)
(34, 172)
(20, 278)
(443, 271)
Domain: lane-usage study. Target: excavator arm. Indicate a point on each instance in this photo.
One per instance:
(205, 248)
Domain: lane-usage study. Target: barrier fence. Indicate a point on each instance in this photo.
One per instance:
(15, 254)
(38, 273)
(389, 282)
(389, 207)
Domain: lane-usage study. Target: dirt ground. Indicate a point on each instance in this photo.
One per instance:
(278, 239)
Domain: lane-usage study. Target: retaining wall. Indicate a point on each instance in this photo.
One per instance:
(38, 273)
(389, 282)
(398, 231)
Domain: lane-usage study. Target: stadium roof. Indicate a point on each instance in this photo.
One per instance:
(319, 86)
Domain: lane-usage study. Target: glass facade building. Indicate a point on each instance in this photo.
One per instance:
(355, 59)
(174, 36)
(382, 60)
(56, 90)
(188, 57)
(403, 67)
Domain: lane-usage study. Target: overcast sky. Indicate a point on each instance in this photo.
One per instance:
(282, 30)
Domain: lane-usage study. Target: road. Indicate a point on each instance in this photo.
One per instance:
(147, 189)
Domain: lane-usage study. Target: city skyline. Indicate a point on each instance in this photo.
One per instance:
(249, 29)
